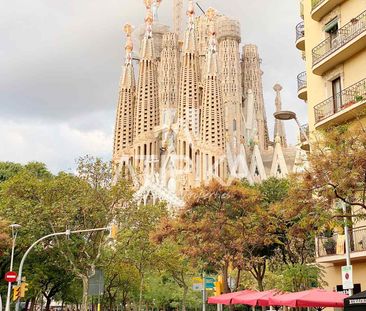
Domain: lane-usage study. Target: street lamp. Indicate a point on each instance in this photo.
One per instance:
(14, 233)
(290, 115)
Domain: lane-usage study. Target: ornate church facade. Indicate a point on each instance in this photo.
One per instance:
(196, 110)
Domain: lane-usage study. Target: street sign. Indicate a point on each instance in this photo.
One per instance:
(197, 287)
(11, 276)
(347, 277)
(96, 283)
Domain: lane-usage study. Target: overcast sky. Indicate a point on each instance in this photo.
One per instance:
(61, 62)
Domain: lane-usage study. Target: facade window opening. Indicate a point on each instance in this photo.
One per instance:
(256, 172)
(332, 30)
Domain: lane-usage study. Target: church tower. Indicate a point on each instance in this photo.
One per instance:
(212, 132)
(252, 80)
(123, 135)
(168, 78)
(228, 36)
(147, 113)
(188, 106)
(279, 130)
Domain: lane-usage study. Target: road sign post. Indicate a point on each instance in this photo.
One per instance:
(347, 277)
(10, 276)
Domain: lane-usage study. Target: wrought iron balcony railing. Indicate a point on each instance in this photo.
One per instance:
(316, 3)
(300, 31)
(301, 81)
(342, 100)
(335, 245)
(344, 35)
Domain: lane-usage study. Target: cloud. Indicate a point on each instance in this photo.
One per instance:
(58, 145)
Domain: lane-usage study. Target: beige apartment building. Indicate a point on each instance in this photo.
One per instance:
(332, 39)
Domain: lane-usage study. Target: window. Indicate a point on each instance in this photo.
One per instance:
(331, 29)
(336, 93)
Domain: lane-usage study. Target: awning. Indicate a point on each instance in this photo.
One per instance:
(355, 302)
(225, 299)
(316, 298)
(255, 299)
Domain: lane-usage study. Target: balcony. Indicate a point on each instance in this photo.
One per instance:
(302, 91)
(349, 40)
(300, 36)
(341, 107)
(332, 249)
(319, 8)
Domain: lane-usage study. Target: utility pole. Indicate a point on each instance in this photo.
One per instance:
(204, 292)
(348, 244)
(14, 233)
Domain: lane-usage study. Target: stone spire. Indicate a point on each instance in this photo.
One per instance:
(147, 102)
(169, 72)
(252, 80)
(155, 7)
(124, 121)
(188, 106)
(212, 117)
(279, 131)
(228, 36)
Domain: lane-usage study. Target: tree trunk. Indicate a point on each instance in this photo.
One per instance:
(48, 303)
(185, 291)
(84, 304)
(32, 304)
(141, 290)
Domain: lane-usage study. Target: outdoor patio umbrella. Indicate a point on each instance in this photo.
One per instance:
(316, 298)
(225, 299)
(356, 302)
(255, 299)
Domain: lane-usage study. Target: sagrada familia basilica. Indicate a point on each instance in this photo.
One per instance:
(196, 110)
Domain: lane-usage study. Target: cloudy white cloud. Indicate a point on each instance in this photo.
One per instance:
(61, 61)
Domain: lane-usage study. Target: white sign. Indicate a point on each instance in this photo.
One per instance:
(347, 278)
(197, 287)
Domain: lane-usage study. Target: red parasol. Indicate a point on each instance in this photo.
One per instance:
(316, 298)
(225, 299)
(255, 299)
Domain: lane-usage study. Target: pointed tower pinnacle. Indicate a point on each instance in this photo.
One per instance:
(188, 106)
(279, 131)
(155, 8)
(123, 134)
(147, 105)
(212, 117)
(252, 80)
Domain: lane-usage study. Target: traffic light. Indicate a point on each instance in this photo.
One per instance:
(16, 293)
(219, 286)
(113, 231)
(23, 289)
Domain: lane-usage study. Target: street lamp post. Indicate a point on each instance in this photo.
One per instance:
(67, 233)
(290, 115)
(14, 233)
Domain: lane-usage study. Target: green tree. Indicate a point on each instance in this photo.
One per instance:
(43, 204)
(139, 223)
(337, 166)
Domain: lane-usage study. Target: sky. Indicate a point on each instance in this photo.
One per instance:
(60, 65)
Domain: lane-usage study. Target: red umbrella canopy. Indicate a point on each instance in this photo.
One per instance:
(225, 299)
(315, 298)
(255, 299)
